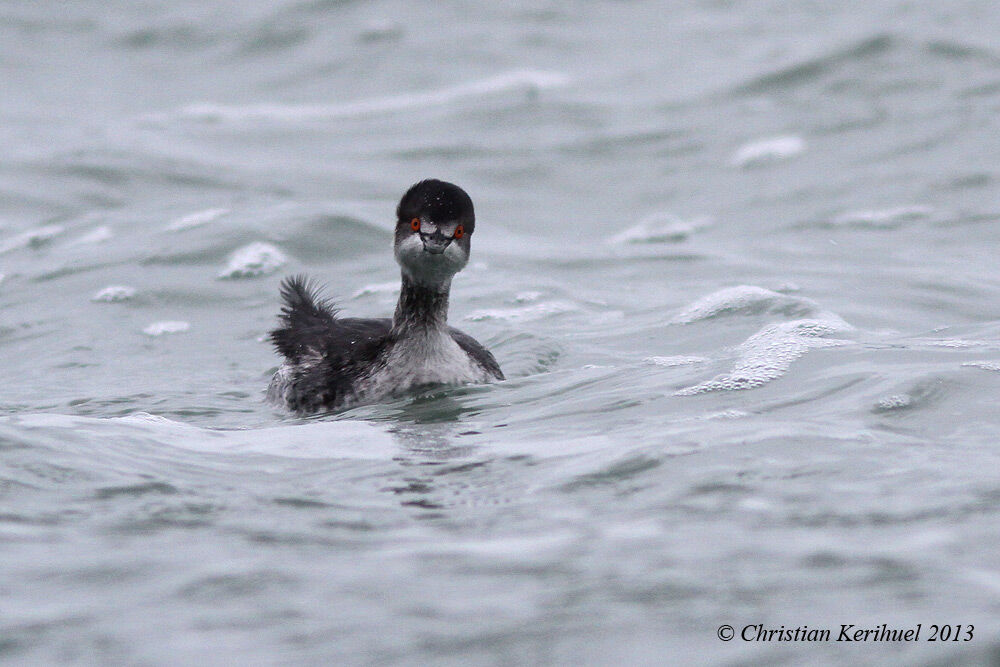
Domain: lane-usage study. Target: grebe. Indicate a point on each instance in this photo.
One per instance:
(333, 362)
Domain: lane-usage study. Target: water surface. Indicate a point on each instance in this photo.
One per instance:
(738, 261)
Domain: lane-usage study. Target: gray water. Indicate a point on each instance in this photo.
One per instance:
(737, 259)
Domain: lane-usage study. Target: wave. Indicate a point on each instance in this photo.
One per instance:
(771, 149)
(143, 434)
(31, 238)
(530, 81)
(769, 353)
(812, 69)
(746, 300)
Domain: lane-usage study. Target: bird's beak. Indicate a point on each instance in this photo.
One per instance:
(435, 243)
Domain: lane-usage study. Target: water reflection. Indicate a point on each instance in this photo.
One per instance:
(429, 435)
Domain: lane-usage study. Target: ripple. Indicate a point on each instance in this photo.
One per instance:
(661, 228)
(32, 238)
(196, 219)
(529, 81)
(215, 587)
(381, 31)
(886, 218)
(812, 69)
(95, 236)
(671, 362)
(616, 472)
(275, 38)
(530, 313)
(159, 488)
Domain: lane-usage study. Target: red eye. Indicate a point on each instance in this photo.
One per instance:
(415, 224)
(459, 232)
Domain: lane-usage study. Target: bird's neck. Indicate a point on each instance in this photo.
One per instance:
(421, 308)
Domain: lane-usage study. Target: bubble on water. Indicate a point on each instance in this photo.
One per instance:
(32, 238)
(253, 260)
(746, 300)
(196, 219)
(114, 294)
(918, 393)
(893, 402)
(767, 150)
(661, 228)
(166, 327)
(769, 353)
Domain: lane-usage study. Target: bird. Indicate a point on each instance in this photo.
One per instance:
(332, 362)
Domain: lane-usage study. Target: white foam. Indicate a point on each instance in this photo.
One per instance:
(661, 228)
(731, 413)
(31, 237)
(727, 414)
(767, 150)
(745, 300)
(769, 353)
(894, 402)
(952, 342)
(114, 294)
(196, 219)
(166, 327)
(527, 297)
(526, 80)
(255, 259)
(885, 218)
(671, 362)
(985, 365)
(149, 418)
